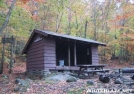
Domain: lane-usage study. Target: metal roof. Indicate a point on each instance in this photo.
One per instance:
(47, 33)
(71, 37)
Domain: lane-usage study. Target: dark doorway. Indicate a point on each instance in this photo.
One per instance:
(61, 52)
(83, 54)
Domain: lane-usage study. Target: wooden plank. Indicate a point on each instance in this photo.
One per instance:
(35, 56)
(94, 55)
(49, 44)
(68, 54)
(95, 52)
(95, 62)
(35, 62)
(50, 54)
(96, 58)
(50, 61)
(8, 40)
(37, 43)
(49, 65)
(35, 53)
(49, 51)
(36, 46)
(49, 48)
(49, 58)
(75, 58)
(36, 49)
(30, 60)
(36, 66)
(35, 59)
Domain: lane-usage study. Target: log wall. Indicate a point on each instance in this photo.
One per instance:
(49, 53)
(35, 55)
(95, 57)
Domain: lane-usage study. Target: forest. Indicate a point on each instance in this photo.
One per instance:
(108, 21)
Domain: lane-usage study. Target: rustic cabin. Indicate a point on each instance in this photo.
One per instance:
(47, 50)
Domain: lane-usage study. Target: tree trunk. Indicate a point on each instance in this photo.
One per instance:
(94, 20)
(85, 29)
(58, 22)
(7, 17)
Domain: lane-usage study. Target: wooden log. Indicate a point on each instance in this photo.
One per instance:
(75, 58)
(104, 79)
(68, 54)
(128, 70)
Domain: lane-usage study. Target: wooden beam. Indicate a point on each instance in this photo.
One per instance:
(11, 59)
(68, 54)
(2, 61)
(75, 58)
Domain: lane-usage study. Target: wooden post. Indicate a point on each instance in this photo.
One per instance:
(3, 53)
(75, 58)
(69, 54)
(11, 58)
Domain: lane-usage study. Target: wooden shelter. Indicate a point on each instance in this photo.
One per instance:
(45, 50)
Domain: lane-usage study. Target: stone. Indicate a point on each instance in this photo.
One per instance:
(71, 79)
(22, 85)
(28, 80)
(22, 89)
(47, 73)
(5, 77)
(132, 77)
(132, 92)
(118, 81)
(104, 78)
(19, 77)
(21, 82)
(16, 89)
(90, 82)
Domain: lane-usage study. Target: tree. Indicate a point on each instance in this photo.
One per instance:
(7, 16)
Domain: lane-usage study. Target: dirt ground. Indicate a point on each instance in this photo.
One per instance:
(42, 86)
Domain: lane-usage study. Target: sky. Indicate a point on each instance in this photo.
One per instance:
(131, 1)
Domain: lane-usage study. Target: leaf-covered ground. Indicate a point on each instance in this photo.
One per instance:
(44, 86)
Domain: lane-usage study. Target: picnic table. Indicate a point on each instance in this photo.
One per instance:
(91, 69)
